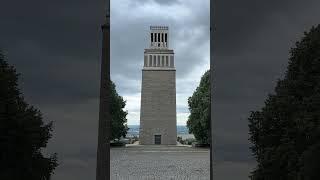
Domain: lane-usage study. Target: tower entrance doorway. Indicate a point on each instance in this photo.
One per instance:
(157, 139)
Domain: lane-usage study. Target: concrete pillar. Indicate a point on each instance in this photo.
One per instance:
(104, 129)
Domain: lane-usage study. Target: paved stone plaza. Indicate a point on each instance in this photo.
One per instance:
(154, 162)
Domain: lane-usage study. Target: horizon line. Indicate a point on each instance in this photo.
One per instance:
(139, 124)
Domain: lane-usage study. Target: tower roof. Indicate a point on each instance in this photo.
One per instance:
(159, 28)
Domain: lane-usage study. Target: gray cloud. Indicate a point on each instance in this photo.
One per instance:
(167, 2)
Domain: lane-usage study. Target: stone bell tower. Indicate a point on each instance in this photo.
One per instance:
(158, 121)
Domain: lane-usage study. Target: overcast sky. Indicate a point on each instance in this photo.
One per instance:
(189, 38)
(56, 46)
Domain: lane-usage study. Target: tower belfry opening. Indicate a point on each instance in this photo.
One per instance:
(158, 91)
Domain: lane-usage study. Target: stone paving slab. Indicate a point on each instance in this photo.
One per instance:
(160, 162)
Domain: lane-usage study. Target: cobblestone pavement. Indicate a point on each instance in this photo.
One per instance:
(160, 163)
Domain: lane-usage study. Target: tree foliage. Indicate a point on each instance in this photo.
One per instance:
(119, 126)
(23, 134)
(285, 132)
(199, 107)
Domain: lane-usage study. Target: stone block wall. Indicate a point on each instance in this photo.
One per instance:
(158, 106)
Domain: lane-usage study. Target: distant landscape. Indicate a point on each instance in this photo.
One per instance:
(182, 131)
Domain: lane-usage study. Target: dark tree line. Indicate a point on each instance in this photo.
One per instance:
(119, 126)
(285, 133)
(199, 107)
(23, 134)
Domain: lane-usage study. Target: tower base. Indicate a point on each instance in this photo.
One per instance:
(158, 123)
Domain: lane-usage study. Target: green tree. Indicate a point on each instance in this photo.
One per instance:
(119, 126)
(199, 107)
(285, 132)
(23, 133)
(310, 163)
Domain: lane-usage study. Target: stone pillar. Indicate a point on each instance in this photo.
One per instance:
(104, 131)
(212, 28)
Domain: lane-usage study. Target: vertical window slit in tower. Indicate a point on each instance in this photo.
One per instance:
(158, 37)
(158, 61)
(162, 37)
(166, 39)
(162, 61)
(150, 60)
(154, 61)
(167, 60)
(155, 37)
(145, 61)
(151, 37)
